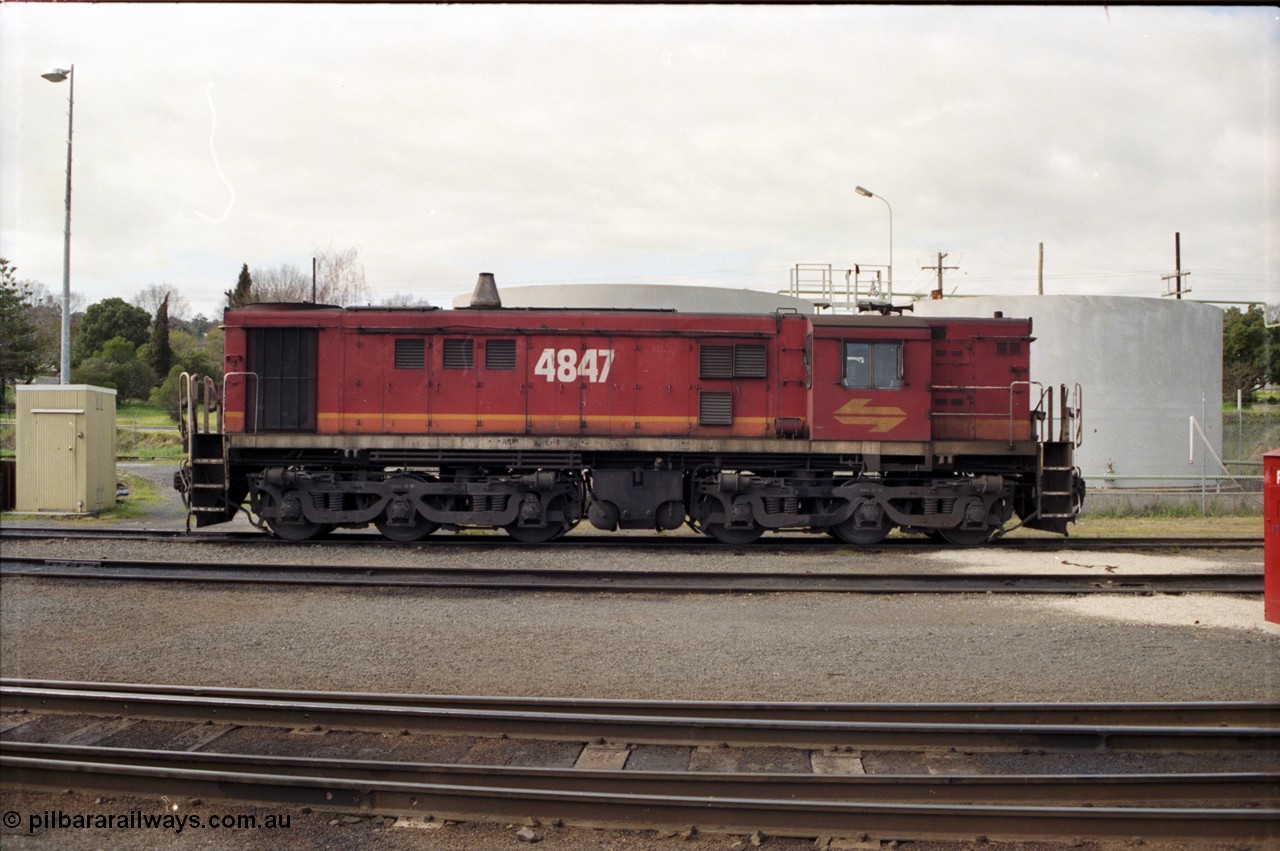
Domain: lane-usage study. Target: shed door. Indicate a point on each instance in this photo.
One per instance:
(284, 360)
(56, 453)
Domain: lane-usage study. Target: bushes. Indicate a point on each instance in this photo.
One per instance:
(116, 365)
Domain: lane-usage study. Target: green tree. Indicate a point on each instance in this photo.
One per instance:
(243, 293)
(118, 350)
(199, 324)
(195, 361)
(116, 365)
(20, 349)
(1250, 353)
(113, 317)
(160, 355)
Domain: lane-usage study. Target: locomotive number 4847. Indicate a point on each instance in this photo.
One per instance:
(565, 365)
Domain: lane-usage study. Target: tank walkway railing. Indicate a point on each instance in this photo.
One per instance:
(862, 289)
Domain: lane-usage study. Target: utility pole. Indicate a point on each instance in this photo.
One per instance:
(937, 294)
(1040, 276)
(1178, 274)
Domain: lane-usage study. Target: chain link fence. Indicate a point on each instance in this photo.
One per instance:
(1199, 480)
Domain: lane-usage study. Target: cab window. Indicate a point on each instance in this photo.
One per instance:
(871, 366)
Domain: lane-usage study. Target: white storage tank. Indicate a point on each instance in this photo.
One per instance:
(646, 296)
(1148, 368)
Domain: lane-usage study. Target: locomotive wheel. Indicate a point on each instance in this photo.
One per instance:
(862, 536)
(553, 531)
(303, 530)
(865, 537)
(406, 533)
(735, 536)
(966, 537)
(538, 534)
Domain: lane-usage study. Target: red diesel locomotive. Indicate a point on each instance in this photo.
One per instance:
(414, 419)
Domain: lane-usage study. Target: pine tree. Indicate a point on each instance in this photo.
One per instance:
(243, 293)
(161, 355)
(20, 350)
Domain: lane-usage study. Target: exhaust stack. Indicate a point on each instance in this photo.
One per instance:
(485, 294)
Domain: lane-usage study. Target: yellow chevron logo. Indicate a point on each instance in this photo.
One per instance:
(881, 420)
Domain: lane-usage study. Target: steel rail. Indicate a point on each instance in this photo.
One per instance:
(718, 814)
(648, 581)
(1151, 714)
(648, 729)
(1231, 789)
(786, 542)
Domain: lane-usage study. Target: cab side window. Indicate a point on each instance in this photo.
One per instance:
(872, 366)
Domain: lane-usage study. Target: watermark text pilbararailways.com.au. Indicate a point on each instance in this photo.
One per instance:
(54, 820)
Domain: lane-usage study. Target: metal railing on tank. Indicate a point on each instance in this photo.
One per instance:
(864, 287)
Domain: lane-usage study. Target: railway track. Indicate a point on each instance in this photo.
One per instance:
(619, 581)
(769, 544)
(1225, 804)
(30, 694)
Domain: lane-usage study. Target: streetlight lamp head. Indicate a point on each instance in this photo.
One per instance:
(57, 75)
(867, 192)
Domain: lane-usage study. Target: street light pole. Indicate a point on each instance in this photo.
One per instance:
(869, 194)
(57, 75)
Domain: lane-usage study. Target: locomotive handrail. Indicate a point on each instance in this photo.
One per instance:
(1079, 415)
(1064, 426)
(257, 396)
(1071, 423)
(184, 396)
(212, 401)
(1013, 387)
(197, 396)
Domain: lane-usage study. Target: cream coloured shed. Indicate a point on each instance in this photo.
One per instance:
(66, 448)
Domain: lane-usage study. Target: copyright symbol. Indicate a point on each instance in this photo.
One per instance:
(12, 819)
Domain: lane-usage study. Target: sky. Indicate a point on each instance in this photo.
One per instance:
(710, 145)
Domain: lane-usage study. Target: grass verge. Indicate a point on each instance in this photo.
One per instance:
(143, 495)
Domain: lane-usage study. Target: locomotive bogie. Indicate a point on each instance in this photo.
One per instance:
(408, 506)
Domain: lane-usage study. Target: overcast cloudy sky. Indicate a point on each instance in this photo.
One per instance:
(668, 144)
